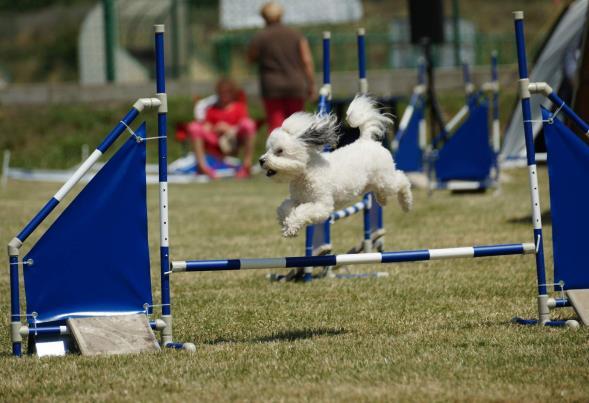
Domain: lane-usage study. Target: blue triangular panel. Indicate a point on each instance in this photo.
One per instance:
(408, 156)
(568, 163)
(94, 259)
(467, 155)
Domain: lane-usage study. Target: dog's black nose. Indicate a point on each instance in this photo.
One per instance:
(262, 160)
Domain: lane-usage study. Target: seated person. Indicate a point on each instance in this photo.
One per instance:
(224, 130)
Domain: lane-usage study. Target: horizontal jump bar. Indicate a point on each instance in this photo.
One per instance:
(362, 258)
(348, 211)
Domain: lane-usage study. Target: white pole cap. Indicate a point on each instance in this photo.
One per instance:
(518, 15)
(159, 28)
(361, 31)
(326, 35)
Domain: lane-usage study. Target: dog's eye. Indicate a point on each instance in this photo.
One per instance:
(279, 151)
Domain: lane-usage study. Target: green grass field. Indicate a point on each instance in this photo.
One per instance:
(431, 331)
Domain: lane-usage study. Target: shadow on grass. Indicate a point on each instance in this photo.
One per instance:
(289, 335)
(527, 219)
(469, 192)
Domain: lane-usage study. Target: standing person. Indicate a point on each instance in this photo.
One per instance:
(285, 66)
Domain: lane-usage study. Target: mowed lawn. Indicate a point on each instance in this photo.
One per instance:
(431, 331)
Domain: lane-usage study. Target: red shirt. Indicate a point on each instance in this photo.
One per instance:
(231, 114)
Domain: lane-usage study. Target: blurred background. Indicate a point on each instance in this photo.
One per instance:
(70, 40)
(63, 58)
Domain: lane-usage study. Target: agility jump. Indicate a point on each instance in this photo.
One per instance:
(568, 156)
(318, 236)
(461, 156)
(113, 282)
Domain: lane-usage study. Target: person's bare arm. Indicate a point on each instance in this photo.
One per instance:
(308, 67)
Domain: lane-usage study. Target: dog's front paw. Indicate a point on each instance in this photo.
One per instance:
(290, 231)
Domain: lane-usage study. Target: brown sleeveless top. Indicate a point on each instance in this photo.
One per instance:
(280, 63)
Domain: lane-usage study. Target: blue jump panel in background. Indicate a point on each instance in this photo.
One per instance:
(568, 167)
(94, 259)
(408, 156)
(467, 155)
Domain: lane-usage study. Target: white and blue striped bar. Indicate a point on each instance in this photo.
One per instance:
(348, 211)
(83, 169)
(460, 116)
(363, 258)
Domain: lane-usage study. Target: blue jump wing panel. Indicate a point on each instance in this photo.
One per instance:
(568, 161)
(408, 156)
(94, 259)
(467, 155)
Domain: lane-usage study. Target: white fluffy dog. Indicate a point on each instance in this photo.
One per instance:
(322, 182)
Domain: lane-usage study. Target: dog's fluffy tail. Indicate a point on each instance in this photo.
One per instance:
(404, 194)
(364, 114)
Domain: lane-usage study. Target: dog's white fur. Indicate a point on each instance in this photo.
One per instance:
(322, 182)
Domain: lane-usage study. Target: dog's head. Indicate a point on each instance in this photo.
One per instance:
(289, 148)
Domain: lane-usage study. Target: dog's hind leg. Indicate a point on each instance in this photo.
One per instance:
(403, 190)
(398, 185)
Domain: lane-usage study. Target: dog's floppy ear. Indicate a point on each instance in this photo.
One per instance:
(323, 131)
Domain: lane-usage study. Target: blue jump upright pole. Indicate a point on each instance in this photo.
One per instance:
(468, 85)
(543, 310)
(421, 71)
(324, 106)
(327, 109)
(495, 102)
(15, 306)
(363, 87)
(162, 122)
(326, 57)
(327, 60)
(363, 81)
(367, 241)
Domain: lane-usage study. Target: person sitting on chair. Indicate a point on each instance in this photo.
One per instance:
(224, 130)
